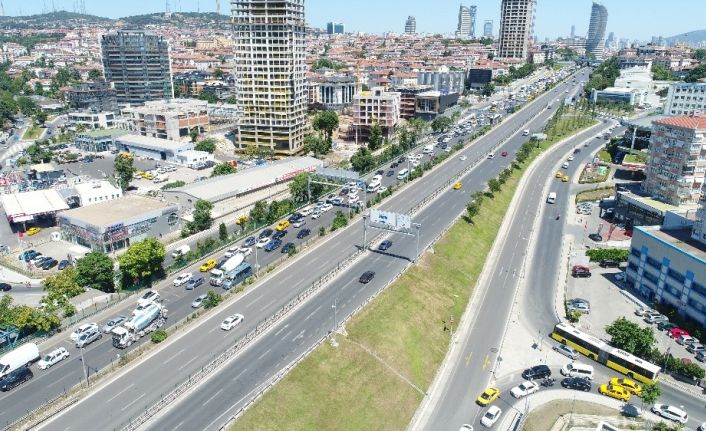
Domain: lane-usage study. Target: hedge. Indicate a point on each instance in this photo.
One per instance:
(599, 254)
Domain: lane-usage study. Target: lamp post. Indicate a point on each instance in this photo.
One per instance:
(333, 332)
(83, 365)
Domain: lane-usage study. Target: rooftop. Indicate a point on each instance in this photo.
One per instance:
(679, 238)
(23, 206)
(116, 211)
(685, 121)
(649, 202)
(151, 143)
(100, 133)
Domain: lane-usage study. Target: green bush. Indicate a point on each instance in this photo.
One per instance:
(158, 336)
(599, 254)
(212, 299)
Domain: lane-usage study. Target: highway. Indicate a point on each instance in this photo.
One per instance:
(143, 385)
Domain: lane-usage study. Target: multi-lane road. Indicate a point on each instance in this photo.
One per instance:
(121, 399)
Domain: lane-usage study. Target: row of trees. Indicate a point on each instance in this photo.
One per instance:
(604, 75)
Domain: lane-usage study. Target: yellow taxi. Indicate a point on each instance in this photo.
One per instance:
(33, 231)
(565, 179)
(559, 174)
(614, 391)
(208, 265)
(148, 176)
(458, 186)
(632, 386)
(284, 224)
(488, 396)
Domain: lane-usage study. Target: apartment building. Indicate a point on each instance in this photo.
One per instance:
(675, 170)
(92, 96)
(171, 119)
(91, 120)
(376, 106)
(270, 70)
(516, 29)
(686, 98)
(137, 63)
(410, 26)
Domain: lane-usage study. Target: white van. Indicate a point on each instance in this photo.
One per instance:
(21, 356)
(525, 132)
(180, 251)
(428, 149)
(574, 369)
(402, 174)
(551, 198)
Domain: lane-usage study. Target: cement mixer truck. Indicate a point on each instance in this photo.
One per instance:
(147, 320)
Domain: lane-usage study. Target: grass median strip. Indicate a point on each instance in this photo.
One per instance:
(395, 345)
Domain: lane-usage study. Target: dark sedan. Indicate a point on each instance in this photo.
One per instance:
(5, 287)
(577, 383)
(249, 241)
(49, 263)
(595, 237)
(273, 245)
(390, 173)
(63, 264)
(366, 277)
(303, 233)
(265, 233)
(279, 234)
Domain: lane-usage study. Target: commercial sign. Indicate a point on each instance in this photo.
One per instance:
(395, 220)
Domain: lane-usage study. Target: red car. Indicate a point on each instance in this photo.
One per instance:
(504, 154)
(677, 332)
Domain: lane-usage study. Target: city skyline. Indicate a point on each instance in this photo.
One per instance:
(635, 19)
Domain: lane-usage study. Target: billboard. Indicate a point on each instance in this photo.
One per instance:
(395, 220)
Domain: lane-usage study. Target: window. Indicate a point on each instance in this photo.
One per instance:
(632, 266)
(635, 252)
(650, 277)
(654, 263)
(675, 275)
(698, 288)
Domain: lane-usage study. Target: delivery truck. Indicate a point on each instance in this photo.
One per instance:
(21, 356)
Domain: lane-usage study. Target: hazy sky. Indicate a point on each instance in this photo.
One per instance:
(633, 19)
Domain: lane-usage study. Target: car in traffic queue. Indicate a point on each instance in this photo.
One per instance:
(577, 383)
(559, 174)
(182, 278)
(86, 327)
(250, 241)
(491, 416)
(284, 224)
(208, 265)
(288, 248)
(262, 242)
(113, 323)
(198, 302)
(15, 378)
(488, 396)
(194, 282)
(632, 386)
(303, 233)
(88, 337)
(614, 391)
(565, 179)
(273, 245)
(53, 357)
(566, 351)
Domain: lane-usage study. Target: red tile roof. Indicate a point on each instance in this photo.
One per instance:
(685, 121)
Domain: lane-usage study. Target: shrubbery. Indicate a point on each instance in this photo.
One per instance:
(599, 254)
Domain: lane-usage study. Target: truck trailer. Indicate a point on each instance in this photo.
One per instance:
(148, 320)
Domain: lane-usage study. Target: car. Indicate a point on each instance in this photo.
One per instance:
(231, 322)
(273, 245)
(632, 386)
(390, 173)
(491, 416)
(53, 357)
(265, 233)
(537, 372)
(316, 214)
(580, 273)
(488, 396)
(303, 233)
(576, 383)
(644, 311)
(504, 154)
(458, 186)
(701, 356)
(570, 158)
(677, 332)
(86, 327)
(466, 427)
(262, 242)
(386, 244)
(614, 391)
(685, 340)
(595, 237)
(579, 300)
(198, 301)
(696, 348)
(5, 287)
(609, 263)
(670, 412)
(665, 325)
(182, 278)
(288, 247)
(294, 217)
(565, 179)
(245, 251)
(88, 337)
(284, 224)
(559, 174)
(619, 276)
(279, 234)
(306, 211)
(353, 199)
(366, 277)
(231, 252)
(463, 158)
(655, 317)
(577, 150)
(194, 283)
(581, 307)
(566, 351)
(249, 241)
(382, 190)
(299, 223)
(113, 323)
(32, 231)
(208, 265)
(63, 264)
(15, 378)
(523, 389)
(326, 207)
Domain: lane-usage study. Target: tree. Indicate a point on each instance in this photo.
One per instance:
(95, 270)
(630, 337)
(208, 97)
(194, 134)
(326, 122)
(488, 89)
(38, 88)
(472, 209)
(696, 73)
(232, 100)
(94, 74)
(202, 216)
(223, 169)
(699, 54)
(363, 160)
(27, 106)
(62, 285)
(339, 221)
(661, 73)
(299, 187)
(494, 185)
(441, 124)
(207, 145)
(218, 73)
(258, 213)
(222, 232)
(316, 145)
(124, 170)
(650, 393)
(375, 138)
(212, 299)
(142, 261)
(40, 117)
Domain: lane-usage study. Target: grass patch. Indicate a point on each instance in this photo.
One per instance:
(396, 344)
(543, 418)
(32, 132)
(594, 195)
(635, 158)
(605, 156)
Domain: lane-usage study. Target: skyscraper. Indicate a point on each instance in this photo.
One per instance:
(335, 28)
(270, 72)
(516, 28)
(595, 42)
(410, 27)
(488, 28)
(137, 64)
(473, 9)
(464, 22)
(573, 31)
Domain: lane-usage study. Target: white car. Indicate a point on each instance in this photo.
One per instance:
(570, 158)
(524, 389)
(326, 207)
(183, 278)
(87, 327)
(306, 211)
(463, 158)
(382, 190)
(670, 412)
(316, 214)
(353, 199)
(198, 301)
(299, 223)
(353, 192)
(491, 416)
(231, 252)
(52, 358)
(466, 427)
(232, 321)
(245, 251)
(262, 242)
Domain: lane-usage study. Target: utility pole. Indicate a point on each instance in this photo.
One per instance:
(333, 332)
(83, 365)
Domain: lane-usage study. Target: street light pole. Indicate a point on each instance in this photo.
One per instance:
(257, 265)
(333, 333)
(83, 365)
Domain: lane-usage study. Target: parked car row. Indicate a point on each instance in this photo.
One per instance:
(38, 260)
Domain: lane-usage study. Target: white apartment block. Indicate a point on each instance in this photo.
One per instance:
(167, 119)
(516, 29)
(685, 98)
(270, 71)
(376, 106)
(91, 120)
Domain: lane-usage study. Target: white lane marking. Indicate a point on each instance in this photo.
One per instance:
(178, 425)
(188, 362)
(281, 329)
(120, 393)
(263, 355)
(301, 335)
(212, 397)
(269, 304)
(255, 300)
(239, 374)
(133, 402)
(174, 356)
(313, 312)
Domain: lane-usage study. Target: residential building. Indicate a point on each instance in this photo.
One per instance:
(91, 120)
(488, 28)
(463, 29)
(410, 26)
(408, 99)
(595, 42)
(376, 106)
(685, 98)
(668, 266)
(167, 119)
(699, 230)
(137, 63)
(92, 96)
(336, 91)
(444, 80)
(270, 70)
(516, 29)
(335, 28)
(675, 170)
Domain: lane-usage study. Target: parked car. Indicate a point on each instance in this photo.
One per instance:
(595, 237)
(63, 264)
(670, 412)
(608, 263)
(665, 325)
(677, 332)
(53, 357)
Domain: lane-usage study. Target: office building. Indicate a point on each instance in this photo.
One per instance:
(410, 27)
(675, 170)
(573, 31)
(137, 63)
(98, 140)
(463, 29)
(595, 42)
(685, 98)
(335, 28)
(473, 10)
(488, 28)
(376, 106)
(270, 71)
(336, 91)
(443, 80)
(167, 119)
(95, 96)
(516, 29)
